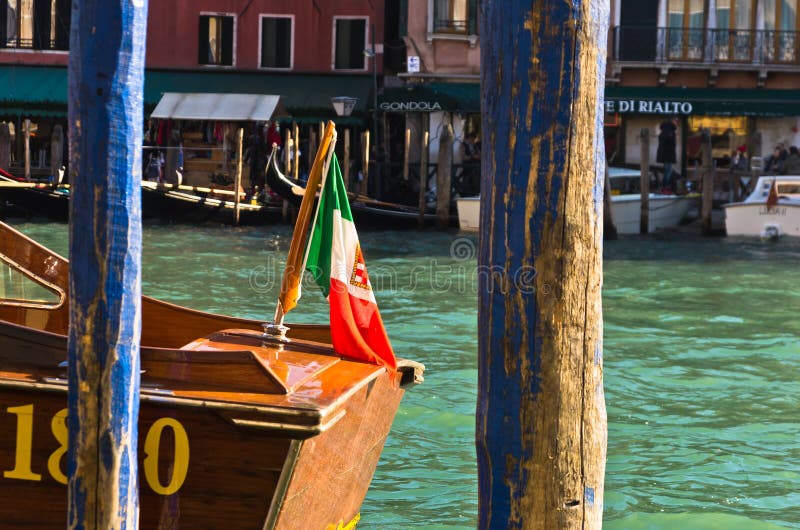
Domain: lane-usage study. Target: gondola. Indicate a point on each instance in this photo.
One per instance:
(237, 428)
(367, 212)
(168, 203)
(187, 205)
(26, 198)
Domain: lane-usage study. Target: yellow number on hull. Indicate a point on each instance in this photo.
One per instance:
(22, 465)
(180, 466)
(59, 428)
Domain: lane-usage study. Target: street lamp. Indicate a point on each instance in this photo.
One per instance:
(343, 105)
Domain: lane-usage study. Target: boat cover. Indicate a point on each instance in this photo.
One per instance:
(219, 107)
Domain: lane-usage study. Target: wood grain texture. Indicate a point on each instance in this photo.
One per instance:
(106, 78)
(541, 424)
(238, 434)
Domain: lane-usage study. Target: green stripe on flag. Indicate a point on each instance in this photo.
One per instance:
(333, 197)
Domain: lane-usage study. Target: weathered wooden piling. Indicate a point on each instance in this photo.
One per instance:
(26, 139)
(364, 162)
(541, 423)
(644, 181)
(5, 145)
(406, 152)
(237, 181)
(106, 72)
(423, 178)
(296, 151)
(287, 151)
(56, 151)
(443, 174)
(346, 159)
(708, 185)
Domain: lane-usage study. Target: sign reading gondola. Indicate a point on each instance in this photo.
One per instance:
(420, 106)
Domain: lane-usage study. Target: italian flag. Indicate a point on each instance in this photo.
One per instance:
(334, 258)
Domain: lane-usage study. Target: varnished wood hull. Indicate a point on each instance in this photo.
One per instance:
(245, 468)
(237, 429)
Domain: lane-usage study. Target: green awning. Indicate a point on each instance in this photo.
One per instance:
(702, 101)
(33, 91)
(432, 97)
(42, 90)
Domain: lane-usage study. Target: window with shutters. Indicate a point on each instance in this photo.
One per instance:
(686, 29)
(455, 16)
(450, 16)
(349, 43)
(277, 37)
(35, 24)
(781, 22)
(216, 39)
(453, 20)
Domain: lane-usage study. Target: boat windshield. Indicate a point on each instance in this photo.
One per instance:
(624, 181)
(791, 189)
(19, 287)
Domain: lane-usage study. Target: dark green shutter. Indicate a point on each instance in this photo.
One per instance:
(63, 23)
(227, 41)
(358, 34)
(3, 23)
(202, 41)
(472, 14)
(41, 24)
(402, 23)
(283, 42)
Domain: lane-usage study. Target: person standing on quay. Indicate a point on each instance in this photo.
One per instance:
(666, 150)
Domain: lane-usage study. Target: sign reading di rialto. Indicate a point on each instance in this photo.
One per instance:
(647, 106)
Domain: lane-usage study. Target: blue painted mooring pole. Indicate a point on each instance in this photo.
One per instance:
(541, 423)
(106, 72)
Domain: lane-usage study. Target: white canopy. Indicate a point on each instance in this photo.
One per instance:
(220, 107)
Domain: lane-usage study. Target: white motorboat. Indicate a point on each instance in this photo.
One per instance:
(765, 216)
(665, 210)
(469, 212)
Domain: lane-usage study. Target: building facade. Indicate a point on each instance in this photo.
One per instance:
(729, 66)
(438, 84)
(307, 52)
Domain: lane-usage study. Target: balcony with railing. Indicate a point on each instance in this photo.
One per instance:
(734, 48)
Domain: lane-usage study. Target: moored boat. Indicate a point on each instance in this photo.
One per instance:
(185, 204)
(367, 212)
(237, 428)
(772, 209)
(26, 198)
(178, 204)
(664, 210)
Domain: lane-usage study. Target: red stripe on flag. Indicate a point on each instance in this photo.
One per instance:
(357, 329)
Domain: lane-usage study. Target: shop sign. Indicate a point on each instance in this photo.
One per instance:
(410, 106)
(648, 106)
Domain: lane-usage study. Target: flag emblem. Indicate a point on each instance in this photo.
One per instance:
(359, 277)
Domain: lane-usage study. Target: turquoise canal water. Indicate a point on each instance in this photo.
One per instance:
(702, 367)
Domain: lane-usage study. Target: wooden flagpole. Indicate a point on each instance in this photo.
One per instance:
(293, 273)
